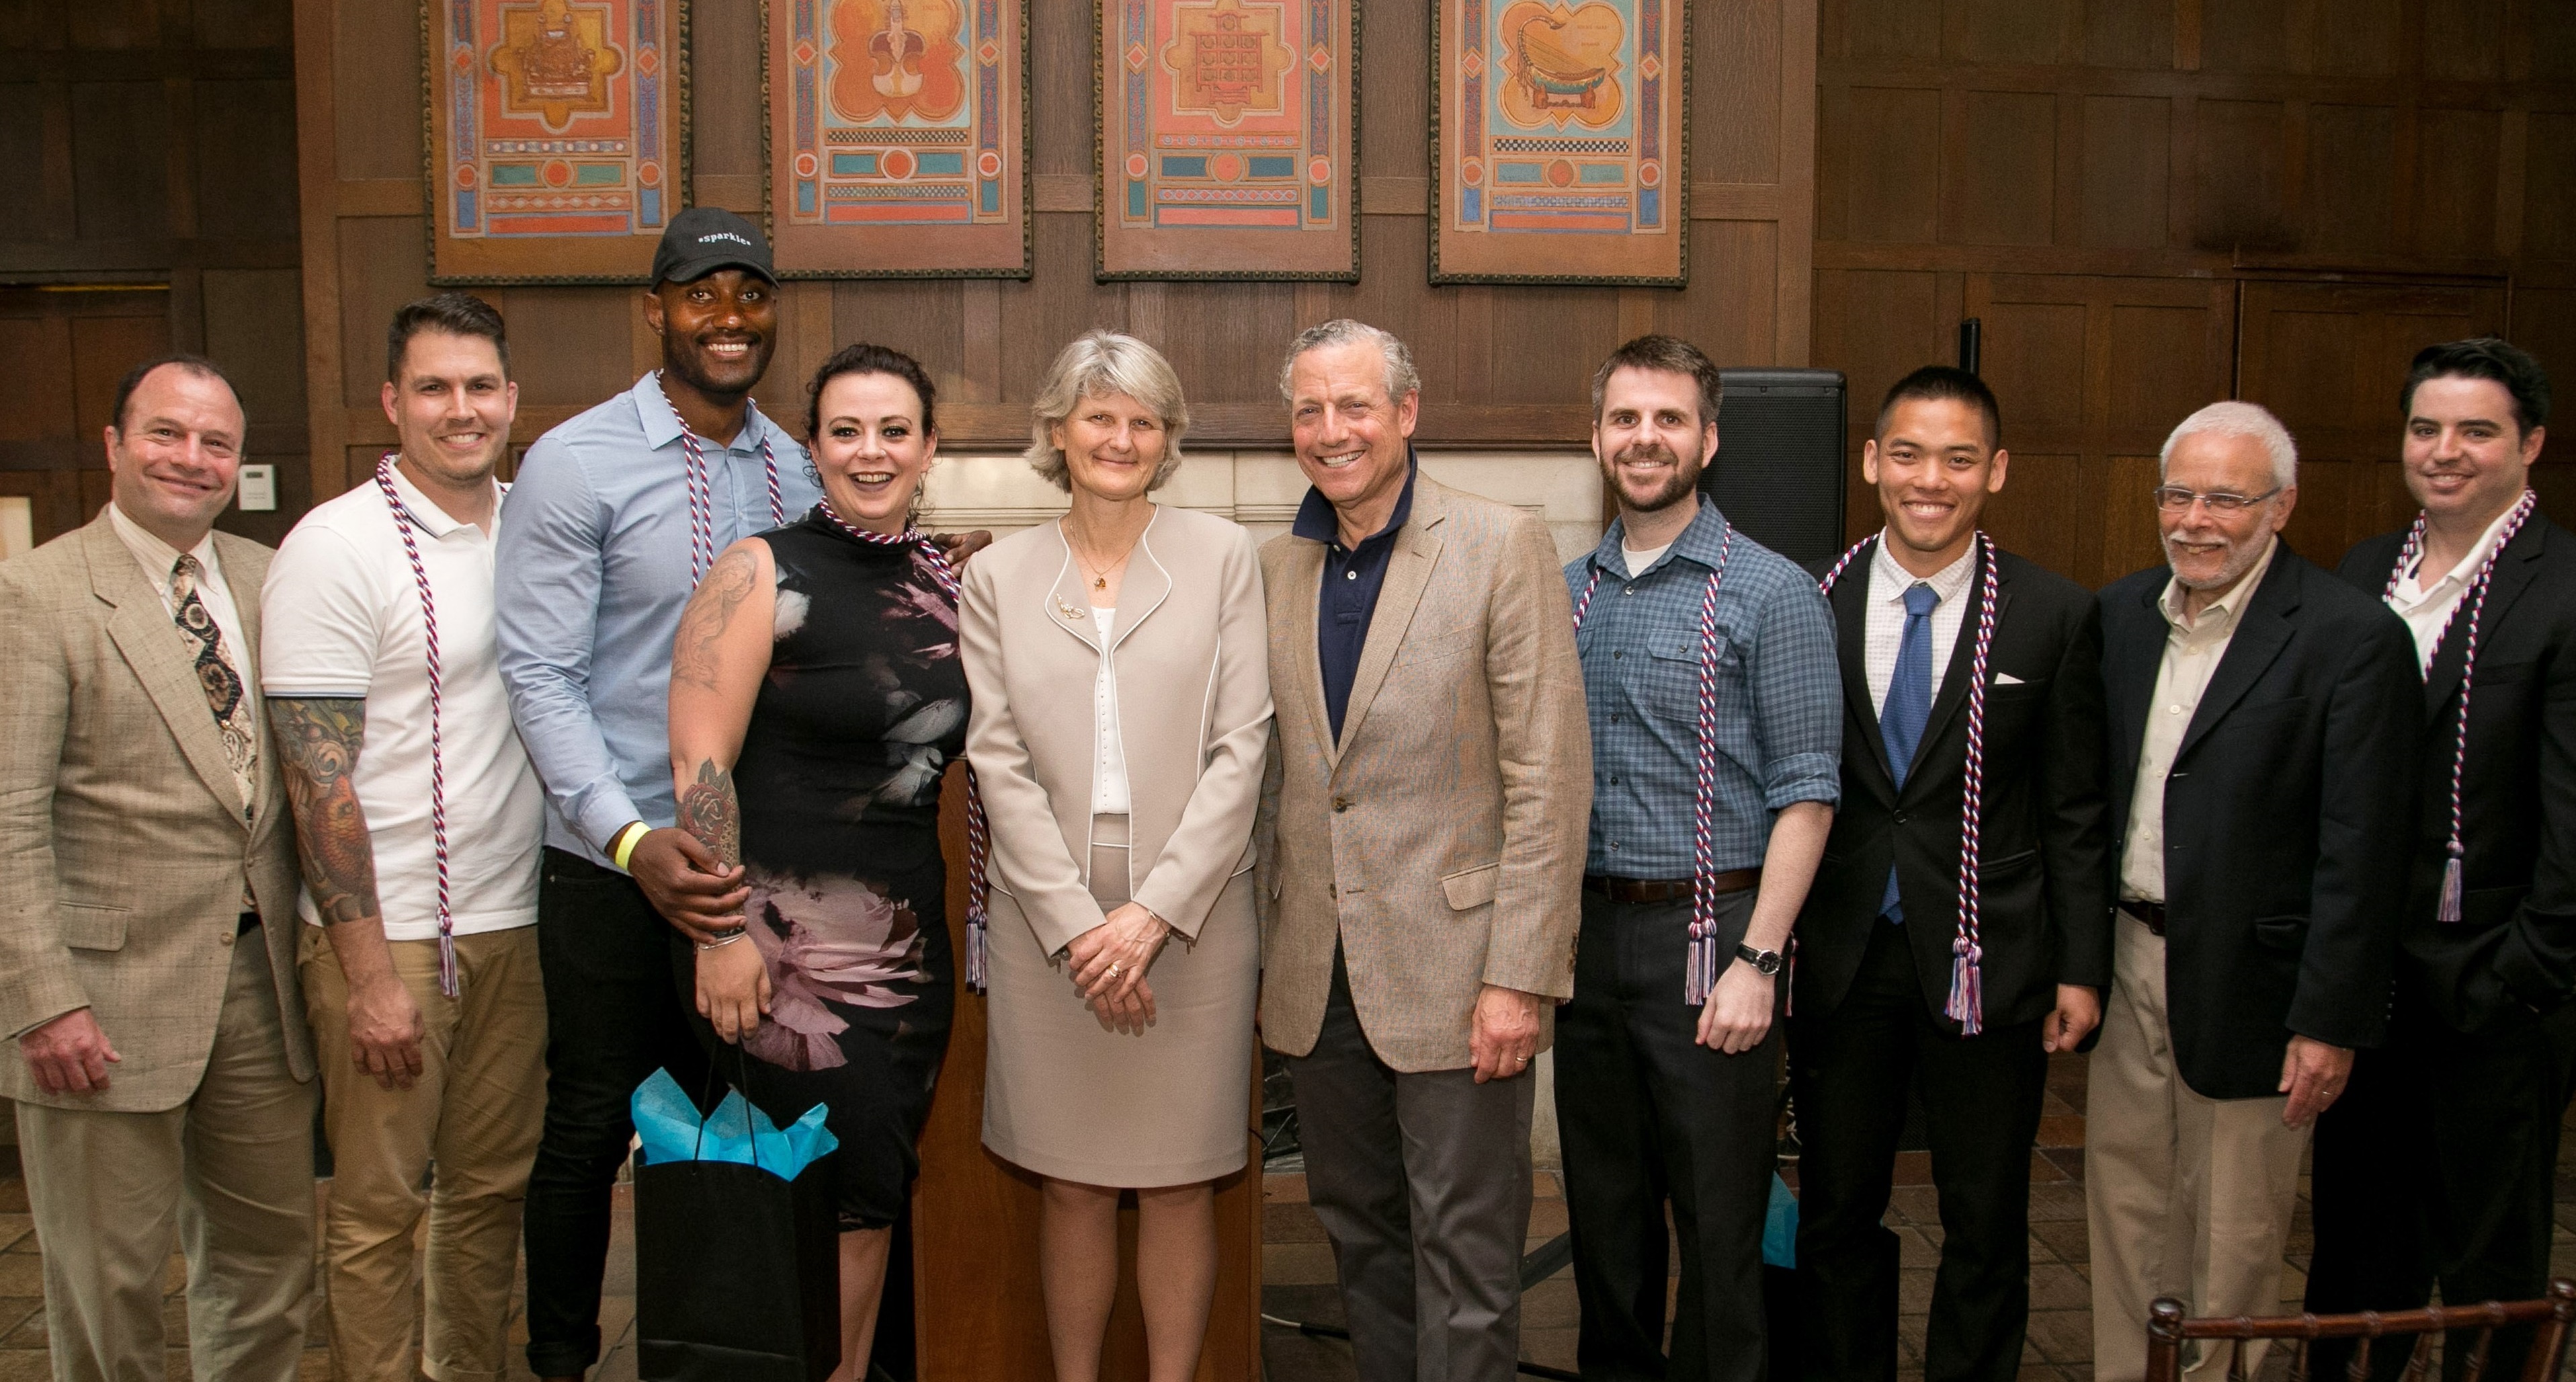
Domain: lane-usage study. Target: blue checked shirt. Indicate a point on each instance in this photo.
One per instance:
(1779, 699)
(592, 572)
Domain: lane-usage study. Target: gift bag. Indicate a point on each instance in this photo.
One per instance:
(737, 1243)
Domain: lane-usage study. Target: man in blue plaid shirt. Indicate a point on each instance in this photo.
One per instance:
(1716, 709)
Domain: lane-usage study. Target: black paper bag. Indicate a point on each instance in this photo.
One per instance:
(737, 1273)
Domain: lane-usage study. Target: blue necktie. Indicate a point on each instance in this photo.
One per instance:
(1909, 704)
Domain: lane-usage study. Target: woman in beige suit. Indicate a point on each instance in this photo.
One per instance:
(1118, 660)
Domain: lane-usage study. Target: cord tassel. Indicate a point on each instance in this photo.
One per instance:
(2452, 885)
(1967, 1005)
(1699, 970)
(1789, 1000)
(447, 964)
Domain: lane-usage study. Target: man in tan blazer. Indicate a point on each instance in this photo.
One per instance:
(1421, 847)
(147, 913)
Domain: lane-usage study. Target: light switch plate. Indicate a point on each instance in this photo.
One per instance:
(258, 488)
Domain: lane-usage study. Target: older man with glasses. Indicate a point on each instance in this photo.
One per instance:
(2262, 726)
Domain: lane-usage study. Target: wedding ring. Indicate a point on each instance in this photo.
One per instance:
(1524, 1060)
(1113, 971)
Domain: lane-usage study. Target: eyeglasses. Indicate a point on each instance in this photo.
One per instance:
(2176, 499)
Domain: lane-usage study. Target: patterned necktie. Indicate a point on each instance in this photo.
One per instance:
(1909, 703)
(215, 672)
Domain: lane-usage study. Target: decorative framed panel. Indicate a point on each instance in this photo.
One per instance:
(1560, 142)
(1228, 133)
(896, 137)
(557, 137)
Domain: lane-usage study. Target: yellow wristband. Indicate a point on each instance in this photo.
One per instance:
(623, 848)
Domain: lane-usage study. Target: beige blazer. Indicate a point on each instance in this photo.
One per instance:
(1191, 659)
(123, 852)
(1441, 841)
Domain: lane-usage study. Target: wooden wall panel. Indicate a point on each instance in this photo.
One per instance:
(2102, 180)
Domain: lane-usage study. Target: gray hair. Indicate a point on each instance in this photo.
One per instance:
(1097, 364)
(2237, 419)
(1401, 377)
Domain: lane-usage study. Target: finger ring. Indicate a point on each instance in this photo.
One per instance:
(1524, 1060)
(1113, 971)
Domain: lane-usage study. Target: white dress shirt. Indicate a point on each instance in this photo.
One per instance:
(2427, 608)
(1109, 794)
(2193, 649)
(159, 558)
(1883, 636)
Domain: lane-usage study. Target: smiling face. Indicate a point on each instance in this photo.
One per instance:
(2466, 457)
(1650, 439)
(872, 451)
(1934, 464)
(1112, 446)
(176, 454)
(717, 332)
(452, 406)
(1350, 436)
(2209, 550)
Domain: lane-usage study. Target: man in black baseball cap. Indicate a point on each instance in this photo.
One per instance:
(703, 239)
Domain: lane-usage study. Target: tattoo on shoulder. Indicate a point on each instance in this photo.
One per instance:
(710, 811)
(319, 738)
(695, 651)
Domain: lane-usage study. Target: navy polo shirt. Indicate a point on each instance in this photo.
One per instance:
(1347, 597)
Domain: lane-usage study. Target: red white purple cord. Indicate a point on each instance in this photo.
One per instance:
(404, 523)
(701, 486)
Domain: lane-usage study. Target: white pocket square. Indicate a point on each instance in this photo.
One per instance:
(2007, 679)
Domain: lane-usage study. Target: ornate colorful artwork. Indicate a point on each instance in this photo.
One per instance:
(898, 140)
(1560, 154)
(1227, 139)
(557, 137)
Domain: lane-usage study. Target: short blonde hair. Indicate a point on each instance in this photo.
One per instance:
(1097, 364)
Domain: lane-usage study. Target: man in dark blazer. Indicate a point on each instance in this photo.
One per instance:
(1885, 941)
(2263, 721)
(2438, 1164)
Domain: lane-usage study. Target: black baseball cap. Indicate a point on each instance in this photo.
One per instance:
(703, 239)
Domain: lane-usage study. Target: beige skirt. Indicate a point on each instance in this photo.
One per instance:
(1072, 1100)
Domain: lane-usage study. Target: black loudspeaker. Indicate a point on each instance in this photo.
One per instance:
(1780, 459)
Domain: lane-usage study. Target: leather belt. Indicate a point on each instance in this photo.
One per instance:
(1666, 889)
(249, 923)
(2152, 914)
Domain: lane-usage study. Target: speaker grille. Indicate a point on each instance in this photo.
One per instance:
(1780, 458)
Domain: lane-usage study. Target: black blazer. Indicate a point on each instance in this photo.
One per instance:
(2044, 909)
(2515, 943)
(2287, 816)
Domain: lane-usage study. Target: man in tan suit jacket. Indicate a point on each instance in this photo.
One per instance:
(147, 914)
(1421, 846)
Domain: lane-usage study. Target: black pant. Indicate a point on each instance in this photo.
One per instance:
(1981, 1097)
(613, 1017)
(2438, 1165)
(1645, 1113)
(1422, 1181)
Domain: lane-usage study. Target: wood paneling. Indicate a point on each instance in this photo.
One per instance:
(1500, 368)
(147, 142)
(2101, 181)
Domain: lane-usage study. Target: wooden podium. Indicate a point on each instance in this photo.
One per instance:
(977, 1313)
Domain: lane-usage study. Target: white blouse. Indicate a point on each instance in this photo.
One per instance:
(1109, 795)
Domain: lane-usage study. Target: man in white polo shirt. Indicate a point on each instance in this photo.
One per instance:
(418, 820)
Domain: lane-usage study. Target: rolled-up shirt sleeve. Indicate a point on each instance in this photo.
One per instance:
(1796, 684)
(547, 587)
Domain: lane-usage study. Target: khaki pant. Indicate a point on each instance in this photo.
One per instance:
(2188, 1197)
(474, 1114)
(229, 1172)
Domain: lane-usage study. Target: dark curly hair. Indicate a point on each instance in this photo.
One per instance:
(864, 358)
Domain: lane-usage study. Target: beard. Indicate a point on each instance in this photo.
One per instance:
(1684, 478)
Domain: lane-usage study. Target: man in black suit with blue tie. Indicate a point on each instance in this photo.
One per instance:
(1960, 929)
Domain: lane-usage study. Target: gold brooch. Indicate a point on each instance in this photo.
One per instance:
(1067, 610)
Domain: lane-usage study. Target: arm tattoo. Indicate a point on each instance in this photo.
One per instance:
(695, 653)
(319, 737)
(709, 811)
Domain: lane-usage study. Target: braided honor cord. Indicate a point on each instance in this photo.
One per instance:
(978, 837)
(1967, 1004)
(1699, 976)
(2473, 600)
(404, 522)
(702, 502)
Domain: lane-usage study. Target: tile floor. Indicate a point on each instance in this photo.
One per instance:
(1297, 1270)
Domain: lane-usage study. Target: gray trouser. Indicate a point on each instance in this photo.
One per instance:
(1423, 1183)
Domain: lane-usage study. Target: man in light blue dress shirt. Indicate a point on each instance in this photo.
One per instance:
(615, 515)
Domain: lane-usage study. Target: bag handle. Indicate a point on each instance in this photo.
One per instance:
(742, 1086)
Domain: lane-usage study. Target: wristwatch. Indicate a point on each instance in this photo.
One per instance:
(1764, 962)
